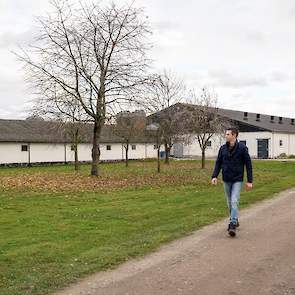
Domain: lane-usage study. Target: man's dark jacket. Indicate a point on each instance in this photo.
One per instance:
(232, 162)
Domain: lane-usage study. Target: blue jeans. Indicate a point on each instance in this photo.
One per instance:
(232, 192)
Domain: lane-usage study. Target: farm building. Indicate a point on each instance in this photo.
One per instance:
(266, 136)
(38, 141)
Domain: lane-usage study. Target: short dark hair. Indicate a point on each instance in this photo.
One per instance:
(233, 130)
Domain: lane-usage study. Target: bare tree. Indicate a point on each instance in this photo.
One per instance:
(74, 126)
(129, 126)
(202, 119)
(154, 131)
(94, 54)
(165, 91)
(68, 115)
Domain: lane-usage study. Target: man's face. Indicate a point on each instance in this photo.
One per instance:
(229, 136)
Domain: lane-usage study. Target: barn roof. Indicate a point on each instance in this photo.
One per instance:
(246, 121)
(40, 131)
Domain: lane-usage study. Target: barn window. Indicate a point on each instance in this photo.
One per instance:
(109, 147)
(281, 142)
(257, 117)
(133, 146)
(209, 143)
(24, 147)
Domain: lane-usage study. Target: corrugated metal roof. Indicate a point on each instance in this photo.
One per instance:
(53, 132)
(260, 121)
(267, 122)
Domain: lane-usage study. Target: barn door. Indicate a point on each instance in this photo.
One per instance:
(262, 146)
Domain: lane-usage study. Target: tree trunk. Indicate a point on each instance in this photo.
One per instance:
(76, 158)
(159, 159)
(29, 155)
(126, 153)
(203, 158)
(95, 149)
(167, 153)
(76, 150)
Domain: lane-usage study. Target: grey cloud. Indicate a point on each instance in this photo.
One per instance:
(166, 25)
(279, 77)
(237, 5)
(238, 95)
(10, 81)
(262, 105)
(9, 39)
(257, 37)
(227, 79)
(279, 109)
(292, 12)
(14, 111)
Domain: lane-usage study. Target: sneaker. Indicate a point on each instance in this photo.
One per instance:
(237, 224)
(232, 229)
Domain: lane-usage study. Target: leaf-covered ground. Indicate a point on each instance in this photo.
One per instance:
(58, 225)
(139, 174)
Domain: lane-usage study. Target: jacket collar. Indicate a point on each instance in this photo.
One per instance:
(234, 147)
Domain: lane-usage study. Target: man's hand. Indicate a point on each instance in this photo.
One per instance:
(214, 181)
(249, 186)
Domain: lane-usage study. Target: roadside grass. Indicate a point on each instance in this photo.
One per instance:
(51, 236)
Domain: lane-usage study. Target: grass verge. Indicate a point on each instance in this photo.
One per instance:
(51, 237)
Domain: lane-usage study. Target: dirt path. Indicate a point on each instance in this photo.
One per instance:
(260, 260)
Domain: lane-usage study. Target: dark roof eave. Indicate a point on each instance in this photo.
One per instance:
(249, 124)
(68, 142)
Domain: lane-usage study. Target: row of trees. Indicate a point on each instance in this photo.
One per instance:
(90, 64)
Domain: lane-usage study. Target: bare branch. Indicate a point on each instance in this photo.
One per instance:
(91, 56)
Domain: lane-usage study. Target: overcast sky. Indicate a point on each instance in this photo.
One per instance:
(244, 49)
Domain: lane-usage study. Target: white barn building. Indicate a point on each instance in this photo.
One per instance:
(37, 141)
(266, 136)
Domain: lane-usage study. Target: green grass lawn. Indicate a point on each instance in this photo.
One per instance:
(58, 225)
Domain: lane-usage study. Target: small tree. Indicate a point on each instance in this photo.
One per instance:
(129, 126)
(202, 119)
(74, 129)
(165, 91)
(68, 115)
(155, 131)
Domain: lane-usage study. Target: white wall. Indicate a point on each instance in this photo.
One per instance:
(40, 152)
(11, 153)
(114, 154)
(274, 138)
(150, 151)
(138, 153)
(251, 139)
(288, 144)
(43, 152)
(84, 152)
(292, 144)
(142, 151)
(193, 148)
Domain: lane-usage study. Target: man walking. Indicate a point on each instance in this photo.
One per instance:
(232, 158)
